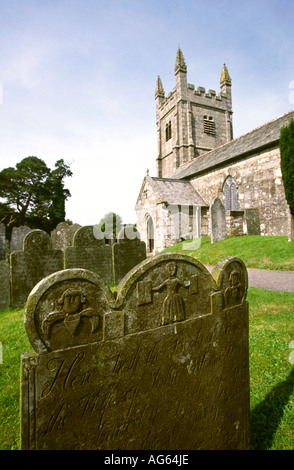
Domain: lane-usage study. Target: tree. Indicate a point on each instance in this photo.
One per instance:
(287, 162)
(110, 224)
(33, 194)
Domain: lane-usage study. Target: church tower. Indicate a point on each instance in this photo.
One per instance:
(190, 122)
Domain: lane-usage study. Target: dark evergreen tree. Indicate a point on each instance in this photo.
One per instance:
(33, 194)
(287, 162)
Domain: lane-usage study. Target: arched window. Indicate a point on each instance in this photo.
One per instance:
(230, 192)
(150, 234)
(168, 131)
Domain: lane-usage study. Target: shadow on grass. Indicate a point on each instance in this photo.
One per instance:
(265, 418)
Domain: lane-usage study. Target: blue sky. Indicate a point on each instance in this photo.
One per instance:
(77, 81)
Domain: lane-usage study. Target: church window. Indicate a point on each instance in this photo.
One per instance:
(168, 131)
(150, 234)
(209, 125)
(230, 193)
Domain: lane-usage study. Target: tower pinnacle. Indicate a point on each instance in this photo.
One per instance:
(159, 88)
(225, 77)
(180, 62)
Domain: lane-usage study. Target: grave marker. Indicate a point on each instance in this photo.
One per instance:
(35, 262)
(62, 235)
(127, 252)
(5, 285)
(17, 237)
(218, 221)
(162, 365)
(2, 241)
(89, 252)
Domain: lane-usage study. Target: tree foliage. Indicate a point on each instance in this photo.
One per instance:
(110, 224)
(33, 194)
(287, 162)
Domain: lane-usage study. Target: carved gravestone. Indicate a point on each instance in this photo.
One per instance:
(35, 262)
(252, 221)
(62, 235)
(2, 241)
(161, 365)
(17, 237)
(218, 221)
(89, 252)
(5, 285)
(127, 252)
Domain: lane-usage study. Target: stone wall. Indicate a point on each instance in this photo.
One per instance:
(259, 185)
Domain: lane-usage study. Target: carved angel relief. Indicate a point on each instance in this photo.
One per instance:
(72, 302)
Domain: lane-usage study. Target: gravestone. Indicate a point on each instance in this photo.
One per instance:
(89, 252)
(17, 237)
(163, 364)
(252, 221)
(62, 235)
(127, 252)
(218, 221)
(2, 241)
(5, 285)
(35, 262)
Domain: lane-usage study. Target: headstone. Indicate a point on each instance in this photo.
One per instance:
(127, 252)
(2, 241)
(62, 235)
(89, 252)
(218, 221)
(252, 221)
(35, 262)
(5, 285)
(164, 364)
(17, 237)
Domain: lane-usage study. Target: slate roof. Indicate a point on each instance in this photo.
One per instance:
(259, 139)
(176, 192)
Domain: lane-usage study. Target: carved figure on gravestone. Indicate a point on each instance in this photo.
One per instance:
(173, 308)
(72, 302)
(37, 240)
(235, 291)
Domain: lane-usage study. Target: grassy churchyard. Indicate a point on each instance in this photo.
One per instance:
(271, 329)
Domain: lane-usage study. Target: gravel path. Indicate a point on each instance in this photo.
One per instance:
(272, 280)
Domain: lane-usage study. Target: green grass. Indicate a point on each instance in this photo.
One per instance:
(271, 328)
(256, 251)
(14, 341)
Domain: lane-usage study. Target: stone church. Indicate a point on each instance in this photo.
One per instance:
(200, 162)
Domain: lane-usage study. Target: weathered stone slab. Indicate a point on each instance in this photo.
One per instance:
(5, 285)
(91, 253)
(218, 221)
(127, 252)
(2, 241)
(35, 262)
(161, 365)
(252, 221)
(62, 235)
(17, 237)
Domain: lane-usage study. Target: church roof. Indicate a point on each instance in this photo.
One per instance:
(259, 139)
(175, 191)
